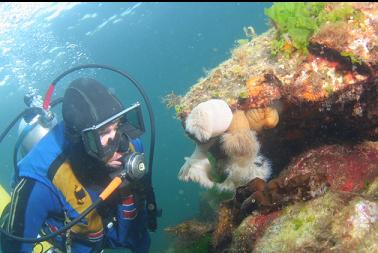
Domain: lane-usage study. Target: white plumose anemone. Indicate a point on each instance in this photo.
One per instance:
(197, 166)
(214, 118)
(209, 119)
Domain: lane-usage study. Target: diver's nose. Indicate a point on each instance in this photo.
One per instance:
(113, 134)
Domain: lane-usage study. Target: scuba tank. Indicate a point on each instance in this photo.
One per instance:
(34, 124)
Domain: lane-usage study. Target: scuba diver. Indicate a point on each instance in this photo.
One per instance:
(67, 171)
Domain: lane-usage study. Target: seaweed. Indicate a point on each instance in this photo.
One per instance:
(242, 41)
(341, 12)
(203, 245)
(216, 174)
(294, 22)
(171, 100)
(179, 109)
(329, 89)
(297, 22)
(353, 58)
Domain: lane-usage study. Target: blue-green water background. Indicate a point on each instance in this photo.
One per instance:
(165, 46)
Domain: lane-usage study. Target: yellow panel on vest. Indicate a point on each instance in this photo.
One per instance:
(4, 199)
(76, 195)
(42, 247)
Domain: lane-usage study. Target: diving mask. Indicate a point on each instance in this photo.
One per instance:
(105, 138)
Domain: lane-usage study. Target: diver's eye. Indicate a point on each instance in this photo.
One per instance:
(107, 138)
(108, 133)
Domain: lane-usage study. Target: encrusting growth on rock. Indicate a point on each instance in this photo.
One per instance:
(262, 118)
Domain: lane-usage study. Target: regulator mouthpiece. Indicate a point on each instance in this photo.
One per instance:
(134, 166)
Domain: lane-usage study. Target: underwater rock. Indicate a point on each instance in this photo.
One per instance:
(320, 87)
(307, 218)
(324, 93)
(331, 223)
(190, 236)
(263, 198)
(251, 228)
(262, 91)
(301, 227)
(264, 201)
(356, 227)
(277, 193)
(348, 168)
(298, 196)
(190, 230)
(355, 40)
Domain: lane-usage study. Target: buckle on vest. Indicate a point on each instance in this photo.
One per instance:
(79, 194)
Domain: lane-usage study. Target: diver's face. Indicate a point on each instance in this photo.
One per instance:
(108, 134)
(106, 137)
